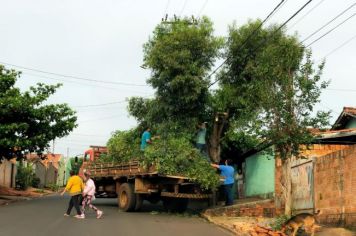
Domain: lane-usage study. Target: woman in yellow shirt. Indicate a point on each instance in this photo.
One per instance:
(75, 188)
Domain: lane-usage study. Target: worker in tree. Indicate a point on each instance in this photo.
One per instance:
(227, 171)
(146, 138)
(201, 139)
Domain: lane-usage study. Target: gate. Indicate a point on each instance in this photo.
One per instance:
(302, 187)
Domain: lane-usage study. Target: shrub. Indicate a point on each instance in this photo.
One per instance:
(35, 181)
(24, 176)
(53, 187)
(279, 221)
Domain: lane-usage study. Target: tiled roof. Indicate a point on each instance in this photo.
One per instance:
(46, 160)
(346, 114)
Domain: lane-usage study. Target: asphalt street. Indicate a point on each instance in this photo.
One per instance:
(44, 217)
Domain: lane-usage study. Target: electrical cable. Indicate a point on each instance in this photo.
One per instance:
(331, 30)
(329, 22)
(306, 14)
(279, 28)
(71, 76)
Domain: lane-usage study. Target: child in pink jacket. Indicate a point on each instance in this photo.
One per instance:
(88, 195)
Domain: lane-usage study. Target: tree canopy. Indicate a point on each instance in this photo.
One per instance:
(179, 54)
(27, 124)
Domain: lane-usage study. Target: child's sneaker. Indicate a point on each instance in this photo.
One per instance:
(99, 214)
(82, 216)
(65, 214)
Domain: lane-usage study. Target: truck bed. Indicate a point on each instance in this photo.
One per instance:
(132, 168)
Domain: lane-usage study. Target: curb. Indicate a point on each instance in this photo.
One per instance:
(208, 218)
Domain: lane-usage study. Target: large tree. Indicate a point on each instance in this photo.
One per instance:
(180, 53)
(272, 87)
(26, 123)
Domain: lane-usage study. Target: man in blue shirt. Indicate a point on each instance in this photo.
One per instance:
(146, 139)
(227, 171)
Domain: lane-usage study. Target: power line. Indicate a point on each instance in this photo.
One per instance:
(202, 8)
(279, 28)
(184, 5)
(329, 22)
(340, 46)
(166, 8)
(331, 30)
(80, 83)
(101, 104)
(306, 14)
(103, 118)
(71, 76)
(244, 42)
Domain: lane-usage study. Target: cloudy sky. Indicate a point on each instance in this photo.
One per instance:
(102, 40)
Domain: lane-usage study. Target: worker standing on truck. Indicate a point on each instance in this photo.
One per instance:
(89, 195)
(75, 188)
(227, 171)
(201, 139)
(146, 139)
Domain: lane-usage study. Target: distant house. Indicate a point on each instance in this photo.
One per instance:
(8, 172)
(50, 169)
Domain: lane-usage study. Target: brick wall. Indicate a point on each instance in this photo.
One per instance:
(334, 183)
(335, 186)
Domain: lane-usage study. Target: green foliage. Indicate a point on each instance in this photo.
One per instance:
(76, 165)
(176, 156)
(35, 182)
(26, 124)
(270, 89)
(279, 221)
(123, 146)
(179, 55)
(53, 187)
(24, 176)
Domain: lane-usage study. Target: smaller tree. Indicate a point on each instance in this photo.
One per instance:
(26, 124)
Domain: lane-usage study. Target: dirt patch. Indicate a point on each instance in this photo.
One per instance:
(30, 192)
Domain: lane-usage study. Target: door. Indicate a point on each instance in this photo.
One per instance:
(303, 187)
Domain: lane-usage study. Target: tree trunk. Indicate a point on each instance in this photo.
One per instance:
(287, 186)
(215, 137)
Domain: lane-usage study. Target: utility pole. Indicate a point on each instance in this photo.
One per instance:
(53, 146)
(67, 152)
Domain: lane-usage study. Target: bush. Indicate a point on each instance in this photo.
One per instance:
(24, 176)
(35, 181)
(53, 187)
(279, 221)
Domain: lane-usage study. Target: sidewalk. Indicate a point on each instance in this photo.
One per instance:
(9, 195)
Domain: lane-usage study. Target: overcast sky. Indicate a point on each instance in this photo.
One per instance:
(102, 40)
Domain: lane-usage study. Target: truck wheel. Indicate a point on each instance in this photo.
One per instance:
(126, 198)
(175, 204)
(139, 202)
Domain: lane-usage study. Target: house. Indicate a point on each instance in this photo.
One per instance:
(324, 179)
(8, 172)
(50, 169)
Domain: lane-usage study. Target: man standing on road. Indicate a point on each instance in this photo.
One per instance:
(227, 171)
(146, 139)
(75, 188)
(89, 194)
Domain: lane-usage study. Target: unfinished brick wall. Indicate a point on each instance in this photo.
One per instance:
(334, 182)
(335, 186)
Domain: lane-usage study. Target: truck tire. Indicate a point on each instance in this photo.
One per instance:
(139, 202)
(126, 198)
(178, 205)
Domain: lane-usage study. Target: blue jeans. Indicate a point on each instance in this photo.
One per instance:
(228, 194)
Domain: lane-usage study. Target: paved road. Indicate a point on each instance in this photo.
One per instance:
(44, 217)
